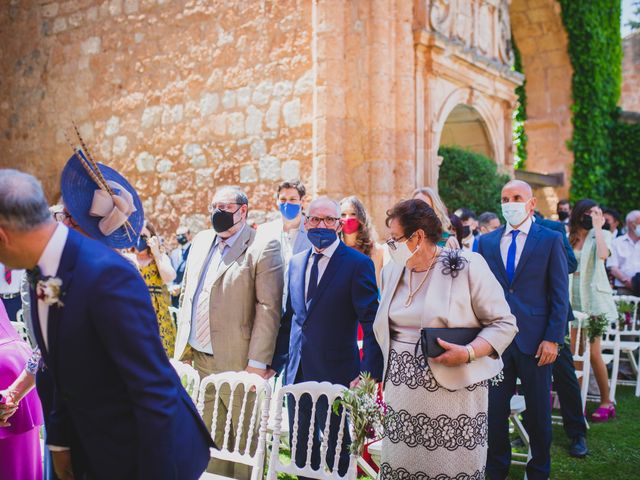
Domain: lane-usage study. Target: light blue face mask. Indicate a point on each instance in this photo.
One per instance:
(637, 230)
(289, 210)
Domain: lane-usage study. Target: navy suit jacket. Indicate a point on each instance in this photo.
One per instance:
(322, 338)
(539, 293)
(114, 391)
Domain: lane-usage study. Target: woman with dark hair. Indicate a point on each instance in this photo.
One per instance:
(156, 269)
(358, 233)
(436, 426)
(590, 289)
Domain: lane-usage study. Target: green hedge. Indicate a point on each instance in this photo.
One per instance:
(469, 179)
(595, 50)
(625, 168)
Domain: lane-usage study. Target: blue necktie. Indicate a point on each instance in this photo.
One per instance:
(313, 278)
(511, 256)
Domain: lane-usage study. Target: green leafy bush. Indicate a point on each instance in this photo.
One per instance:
(624, 182)
(469, 179)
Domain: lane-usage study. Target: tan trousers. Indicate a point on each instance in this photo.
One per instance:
(206, 365)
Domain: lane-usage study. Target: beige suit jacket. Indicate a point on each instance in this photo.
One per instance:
(473, 299)
(246, 299)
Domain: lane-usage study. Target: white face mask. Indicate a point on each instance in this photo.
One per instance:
(514, 212)
(637, 229)
(401, 254)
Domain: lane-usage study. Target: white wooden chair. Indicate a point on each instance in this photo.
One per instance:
(276, 385)
(315, 391)
(582, 353)
(518, 406)
(189, 378)
(256, 413)
(629, 343)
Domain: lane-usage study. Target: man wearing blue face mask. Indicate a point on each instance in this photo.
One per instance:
(332, 288)
(530, 263)
(288, 228)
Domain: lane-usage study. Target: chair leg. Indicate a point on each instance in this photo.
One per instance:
(614, 372)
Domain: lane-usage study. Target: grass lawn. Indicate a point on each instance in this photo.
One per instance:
(614, 447)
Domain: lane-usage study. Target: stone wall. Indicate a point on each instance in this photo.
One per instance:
(180, 96)
(630, 97)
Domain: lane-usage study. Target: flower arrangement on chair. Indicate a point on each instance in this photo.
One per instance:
(625, 311)
(366, 412)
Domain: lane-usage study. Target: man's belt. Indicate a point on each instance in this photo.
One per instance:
(9, 296)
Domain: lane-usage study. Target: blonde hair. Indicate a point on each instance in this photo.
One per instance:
(438, 205)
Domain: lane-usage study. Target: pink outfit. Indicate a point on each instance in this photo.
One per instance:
(20, 457)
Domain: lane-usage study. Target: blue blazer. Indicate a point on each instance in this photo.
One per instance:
(539, 293)
(572, 263)
(322, 338)
(115, 393)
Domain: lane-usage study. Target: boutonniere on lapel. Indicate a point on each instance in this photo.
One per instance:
(47, 288)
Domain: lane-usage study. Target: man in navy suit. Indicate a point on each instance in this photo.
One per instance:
(332, 288)
(530, 263)
(119, 409)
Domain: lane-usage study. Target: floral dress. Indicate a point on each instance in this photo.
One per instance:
(161, 301)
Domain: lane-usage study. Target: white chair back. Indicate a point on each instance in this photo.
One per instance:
(189, 378)
(315, 391)
(240, 449)
(582, 353)
(629, 338)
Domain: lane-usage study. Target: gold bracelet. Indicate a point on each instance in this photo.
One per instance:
(472, 353)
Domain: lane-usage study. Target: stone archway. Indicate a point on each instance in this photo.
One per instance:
(465, 128)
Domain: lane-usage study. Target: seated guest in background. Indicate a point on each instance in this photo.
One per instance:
(470, 228)
(625, 256)
(10, 290)
(431, 197)
(530, 264)
(332, 289)
(451, 387)
(357, 232)
(155, 267)
(231, 307)
(100, 342)
(179, 262)
(20, 409)
(589, 287)
(563, 210)
(612, 221)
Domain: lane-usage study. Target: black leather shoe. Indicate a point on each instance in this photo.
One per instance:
(578, 447)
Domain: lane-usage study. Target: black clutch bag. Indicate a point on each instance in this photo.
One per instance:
(429, 339)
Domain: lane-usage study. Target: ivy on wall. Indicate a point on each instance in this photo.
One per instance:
(624, 195)
(520, 114)
(595, 51)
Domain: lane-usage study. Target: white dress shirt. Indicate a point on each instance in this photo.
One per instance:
(521, 238)
(625, 255)
(16, 280)
(322, 263)
(49, 263)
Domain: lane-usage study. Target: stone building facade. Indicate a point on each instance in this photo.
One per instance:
(353, 97)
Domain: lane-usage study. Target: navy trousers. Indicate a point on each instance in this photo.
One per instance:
(566, 385)
(536, 388)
